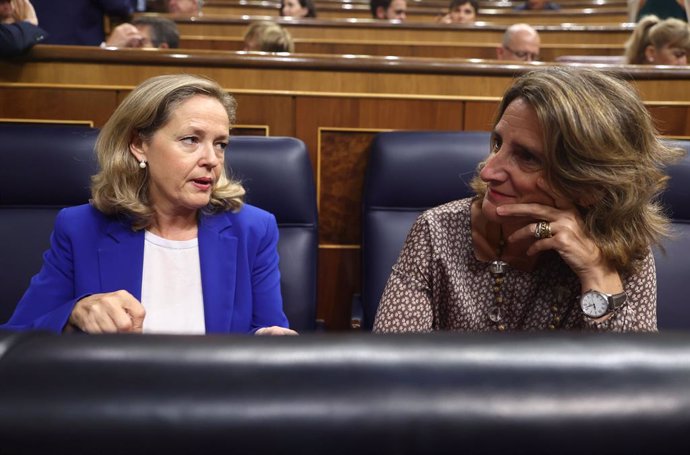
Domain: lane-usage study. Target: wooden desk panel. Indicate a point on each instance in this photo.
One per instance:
(373, 30)
(549, 52)
(74, 65)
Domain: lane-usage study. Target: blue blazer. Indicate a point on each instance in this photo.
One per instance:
(18, 37)
(92, 253)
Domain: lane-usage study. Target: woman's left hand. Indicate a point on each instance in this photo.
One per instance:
(568, 237)
(275, 331)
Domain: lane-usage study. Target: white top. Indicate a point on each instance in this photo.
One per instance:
(171, 286)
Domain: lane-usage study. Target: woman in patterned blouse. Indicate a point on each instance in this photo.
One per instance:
(560, 231)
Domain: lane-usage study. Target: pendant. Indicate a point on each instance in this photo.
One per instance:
(498, 267)
(495, 315)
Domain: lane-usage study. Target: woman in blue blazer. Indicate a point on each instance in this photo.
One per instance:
(166, 244)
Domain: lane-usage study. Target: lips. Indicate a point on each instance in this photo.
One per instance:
(497, 196)
(203, 183)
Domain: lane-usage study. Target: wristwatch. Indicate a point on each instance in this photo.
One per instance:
(596, 304)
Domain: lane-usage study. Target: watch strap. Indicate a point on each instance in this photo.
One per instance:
(617, 301)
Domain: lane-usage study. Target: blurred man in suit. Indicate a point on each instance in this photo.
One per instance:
(78, 22)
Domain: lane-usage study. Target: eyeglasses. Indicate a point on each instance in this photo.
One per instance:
(523, 55)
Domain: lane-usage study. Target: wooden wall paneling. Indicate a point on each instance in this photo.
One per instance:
(342, 161)
(480, 113)
(274, 110)
(671, 119)
(250, 130)
(340, 129)
(431, 49)
(339, 279)
(370, 30)
(46, 102)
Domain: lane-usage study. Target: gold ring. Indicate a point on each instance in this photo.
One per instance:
(543, 230)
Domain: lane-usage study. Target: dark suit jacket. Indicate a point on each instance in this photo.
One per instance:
(78, 22)
(18, 37)
(91, 253)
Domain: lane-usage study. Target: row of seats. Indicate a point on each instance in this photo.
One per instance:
(47, 167)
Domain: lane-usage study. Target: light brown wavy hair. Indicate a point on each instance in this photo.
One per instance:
(120, 187)
(601, 150)
(651, 30)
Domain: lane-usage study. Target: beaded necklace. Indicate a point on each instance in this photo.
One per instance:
(498, 270)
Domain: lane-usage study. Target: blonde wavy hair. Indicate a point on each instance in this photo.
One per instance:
(652, 31)
(267, 36)
(121, 187)
(601, 151)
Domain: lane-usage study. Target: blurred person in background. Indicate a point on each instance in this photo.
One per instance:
(461, 12)
(537, 5)
(521, 42)
(388, 9)
(663, 9)
(267, 36)
(145, 32)
(297, 9)
(184, 7)
(658, 42)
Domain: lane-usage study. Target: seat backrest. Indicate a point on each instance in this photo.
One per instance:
(673, 265)
(278, 177)
(44, 168)
(407, 173)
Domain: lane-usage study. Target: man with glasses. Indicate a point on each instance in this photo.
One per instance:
(520, 43)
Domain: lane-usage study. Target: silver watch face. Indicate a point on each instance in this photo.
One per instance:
(594, 304)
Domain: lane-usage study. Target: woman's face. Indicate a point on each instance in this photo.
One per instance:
(516, 161)
(185, 157)
(292, 8)
(463, 14)
(669, 55)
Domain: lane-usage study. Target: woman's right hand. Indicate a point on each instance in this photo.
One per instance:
(112, 312)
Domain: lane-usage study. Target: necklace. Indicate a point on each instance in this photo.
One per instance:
(497, 268)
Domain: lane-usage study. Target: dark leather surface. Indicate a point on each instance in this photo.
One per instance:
(364, 394)
(673, 265)
(44, 168)
(409, 172)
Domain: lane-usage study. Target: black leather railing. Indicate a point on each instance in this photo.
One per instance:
(364, 394)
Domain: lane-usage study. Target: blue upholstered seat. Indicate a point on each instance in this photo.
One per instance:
(44, 168)
(409, 172)
(278, 176)
(673, 266)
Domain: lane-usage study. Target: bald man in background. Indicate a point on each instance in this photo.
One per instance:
(521, 42)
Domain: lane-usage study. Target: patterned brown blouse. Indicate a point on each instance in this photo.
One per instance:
(439, 284)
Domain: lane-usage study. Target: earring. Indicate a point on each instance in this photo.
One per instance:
(142, 164)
